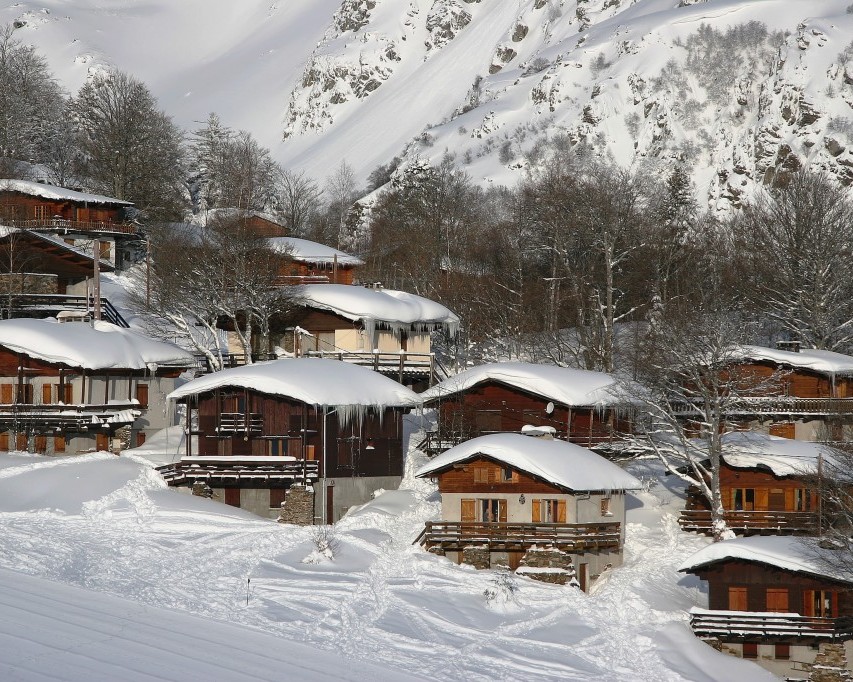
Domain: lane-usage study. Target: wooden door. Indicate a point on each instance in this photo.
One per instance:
(232, 496)
(58, 444)
(4, 441)
(41, 444)
(140, 438)
(515, 560)
(777, 599)
(21, 442)
(142, 394)
(776, 500)
(583, 576)
(783, 429)
(737, 599)
(102, 441)
(330, 504)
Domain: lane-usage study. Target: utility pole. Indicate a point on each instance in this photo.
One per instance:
(96, 285)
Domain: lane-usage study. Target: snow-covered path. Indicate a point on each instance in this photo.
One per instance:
(109, 525)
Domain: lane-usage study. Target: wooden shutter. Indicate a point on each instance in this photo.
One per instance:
(777, 599)
(537, 511)
(41, 444)
(140, 438)
(6, 394)
(63, 393)
(142, 394)
(58, 444)
(776, 500)
(737, 599)
(501, 511)
(468, 511)
(561, 511)
(46, 395)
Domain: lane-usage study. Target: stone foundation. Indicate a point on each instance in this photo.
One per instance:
(477, 556)
(298, 506)
(548, 565)
(830, 665)
(202, 490)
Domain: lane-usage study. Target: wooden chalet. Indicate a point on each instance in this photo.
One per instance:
(257, 222)
(543, 507)
(769, 485)
(808, 393)
(778, 600)
(315, 422)
(388, 331)
(308, 262)
(69, 388)
(582, 407)
(78, 218)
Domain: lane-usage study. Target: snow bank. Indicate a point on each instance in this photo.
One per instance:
(822, 361)
(379, 308)
(564, 464)
(77, 344)
(572, 387)
(306, 251)
(57, 193)
(315, 381)
(790, 553)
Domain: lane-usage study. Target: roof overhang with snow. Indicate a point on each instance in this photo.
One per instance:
(312, 253)
(819, 361)
(314, 381)
(558, 462)
(790, 553)
(54, 255)
(36, 189)
(397, 311)
(570, 387)
(100, 346)
(782, 456)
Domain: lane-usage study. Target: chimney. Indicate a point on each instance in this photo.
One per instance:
(790, 346)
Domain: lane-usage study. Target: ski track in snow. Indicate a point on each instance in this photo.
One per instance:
(380, 600)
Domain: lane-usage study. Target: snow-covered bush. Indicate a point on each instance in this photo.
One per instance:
(325, 545)
(503, 590)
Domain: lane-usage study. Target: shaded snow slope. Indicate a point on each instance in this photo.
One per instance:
(649, 82)
(381, 601)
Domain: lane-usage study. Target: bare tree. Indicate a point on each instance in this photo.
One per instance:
(299, 199)
(341, 190)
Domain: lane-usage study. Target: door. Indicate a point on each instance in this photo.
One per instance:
(783, 429)
(583, 576)
(492, 511)
(102, 442)
(330, 504)
(232, 496)
(776, 500)
(737, 599)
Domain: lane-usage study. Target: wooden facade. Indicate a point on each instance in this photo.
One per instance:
(19, 207)
(757, 502)
(493, 407)
(297, 271)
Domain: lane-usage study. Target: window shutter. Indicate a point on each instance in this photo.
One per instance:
(502, 511)
(561, 511)
(6, 394)
(537, 511)
(46, 396)
(468, 511)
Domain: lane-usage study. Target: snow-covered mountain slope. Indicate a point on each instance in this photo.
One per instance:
(109, 525)
(735, 88)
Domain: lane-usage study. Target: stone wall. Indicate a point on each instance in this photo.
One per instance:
(298, 506)
(548, 565)
(477, 556)
(830, 665)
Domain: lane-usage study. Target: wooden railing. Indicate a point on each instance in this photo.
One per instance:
(753, 522)
(188, 472)
(52, 416)
(785, 405)
(573, 537)
(435, 443)
(240, 422)
(62, 225)
(58, 302)
(742, 625)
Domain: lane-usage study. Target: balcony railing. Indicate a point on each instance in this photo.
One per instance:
(746, 626)
(62, 225)
(205, 470)
(753, 522)
(239, 422)
(59, 302)
(47, 417)
(507, 536)
(435, 443)
(780, 405)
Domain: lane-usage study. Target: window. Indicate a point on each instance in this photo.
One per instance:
(605, 507)
(508, 475)
(737, 599)
(743, 499)
(142, 394)
(802, 500)
(40, 211)
(750, 650)
(819, 603)
(491, 511)
(481, 474)
(63, 393)
(6, 394)
(105, 249)
(777, 599)
(549, 511)
(277, 447)
(24, 393)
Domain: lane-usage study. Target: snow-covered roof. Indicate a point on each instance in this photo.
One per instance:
(783, 456)
(395, 310)
(57, 193)
(55, 241)
(783, 551)
(306, 251)
(564, 464)
(571, 387)
(823, 361)
(231, 213)
(78, 344)
(316, 381)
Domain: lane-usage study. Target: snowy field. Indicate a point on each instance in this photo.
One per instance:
(106, 574)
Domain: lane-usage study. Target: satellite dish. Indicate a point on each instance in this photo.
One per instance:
(549, 408)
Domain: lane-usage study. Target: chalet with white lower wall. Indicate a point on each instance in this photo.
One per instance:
(331, 428)
(784, 602)
(74, 387)
(543, 507)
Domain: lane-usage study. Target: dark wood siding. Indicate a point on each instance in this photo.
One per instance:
(484, 476)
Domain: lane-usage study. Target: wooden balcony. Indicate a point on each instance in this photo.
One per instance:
(399, 365)
(197, 469)
(64, 226)
(769, 628)
(753, 522)
(57, 417)
(435, 443)
(788, 406)
(571, 537)
(240, 422)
